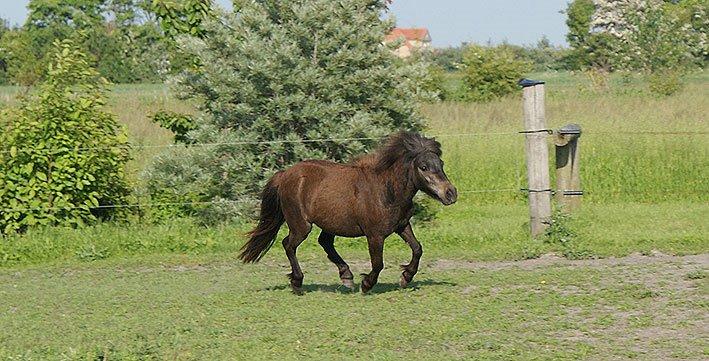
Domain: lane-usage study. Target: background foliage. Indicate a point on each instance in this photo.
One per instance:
(662, 39)
(61, 154)
(122, 38)
(491, 72)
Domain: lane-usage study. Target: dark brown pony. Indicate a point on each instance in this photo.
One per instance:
(371, 196)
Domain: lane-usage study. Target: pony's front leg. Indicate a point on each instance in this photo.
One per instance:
(376, 248)
(409, 270)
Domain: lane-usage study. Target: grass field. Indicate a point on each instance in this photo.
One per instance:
(211, 308)
(141, 291)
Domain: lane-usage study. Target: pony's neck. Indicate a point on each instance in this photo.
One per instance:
(399, 183)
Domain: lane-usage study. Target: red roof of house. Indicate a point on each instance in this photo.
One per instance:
(408, 34)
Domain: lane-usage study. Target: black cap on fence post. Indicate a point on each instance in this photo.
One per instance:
(524, 82)
(570, 129)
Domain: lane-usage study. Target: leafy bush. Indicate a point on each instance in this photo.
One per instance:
(490, 72)
(561, 234)
(61, 154)
(449, 59)
(178, 124)
(434, 83)
(665, 83)
(283, 71)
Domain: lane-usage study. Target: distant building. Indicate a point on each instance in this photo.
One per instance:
(413, 39)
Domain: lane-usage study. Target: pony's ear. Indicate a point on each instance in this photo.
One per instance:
(438, 147)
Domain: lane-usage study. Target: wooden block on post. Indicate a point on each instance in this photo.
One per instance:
(537, 156)
(568, 180)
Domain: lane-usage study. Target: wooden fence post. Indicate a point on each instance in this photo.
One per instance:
(537, 156)
(568, 180)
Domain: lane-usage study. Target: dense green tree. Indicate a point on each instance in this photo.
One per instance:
(637, 35)
(274, 75)
(121, 37)
(695, 13)
(578, 19)
(5, 53)
(177, 18)
(183, 17)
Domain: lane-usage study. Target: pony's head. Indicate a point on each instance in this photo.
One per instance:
(421, 157)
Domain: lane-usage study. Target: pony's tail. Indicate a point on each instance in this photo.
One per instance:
(263, 236)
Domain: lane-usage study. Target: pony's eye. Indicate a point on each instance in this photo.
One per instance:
(423, 168)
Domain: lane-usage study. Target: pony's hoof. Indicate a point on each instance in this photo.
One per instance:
(366, 287)
(403, 283)
(348, 283)
(298, 291)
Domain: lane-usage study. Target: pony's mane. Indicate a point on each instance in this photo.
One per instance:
(403, 145)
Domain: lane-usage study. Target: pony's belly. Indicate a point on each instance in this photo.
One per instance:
(342, 229)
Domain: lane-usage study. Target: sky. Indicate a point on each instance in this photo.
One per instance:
(450, 22)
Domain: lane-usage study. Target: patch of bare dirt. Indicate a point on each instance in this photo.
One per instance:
(551, 259)
(648, 332)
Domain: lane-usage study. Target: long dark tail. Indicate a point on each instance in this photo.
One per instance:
(264, 235)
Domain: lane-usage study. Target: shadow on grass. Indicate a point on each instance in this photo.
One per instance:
(382, 287)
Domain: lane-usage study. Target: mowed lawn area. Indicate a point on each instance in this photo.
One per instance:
(625, 277)
(213, 308)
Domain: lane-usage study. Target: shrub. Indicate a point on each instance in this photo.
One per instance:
(61, 154)
(178, 124)
(665, 83)
(490, 72)
(283, 71)
(448, 59)
(434, 83)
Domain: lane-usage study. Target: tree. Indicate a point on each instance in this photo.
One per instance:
(693, 13)
(637, 35)
(578, 20)
(4, 50)
(273, 76)
(61, 155)
(181, 18)
(449, 58)
(121, 37)
(656, 41)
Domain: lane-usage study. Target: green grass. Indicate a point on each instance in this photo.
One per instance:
(467, 231)
(212, 308)
(617, 165)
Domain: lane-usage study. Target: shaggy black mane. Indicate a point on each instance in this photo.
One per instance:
(406, 146)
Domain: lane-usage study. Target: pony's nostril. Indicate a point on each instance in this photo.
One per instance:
(449, 194)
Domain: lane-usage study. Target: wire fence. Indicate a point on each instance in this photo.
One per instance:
(246, 142)
(195, 203)
(318, 140)
(324, 140)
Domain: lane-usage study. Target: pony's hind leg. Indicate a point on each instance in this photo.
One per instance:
(327, 241)
(297, 234)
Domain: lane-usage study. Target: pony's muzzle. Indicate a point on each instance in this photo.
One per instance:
(451, 196)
